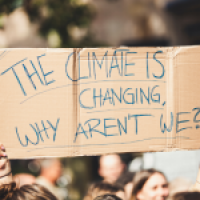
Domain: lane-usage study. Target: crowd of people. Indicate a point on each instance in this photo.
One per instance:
(117, 183)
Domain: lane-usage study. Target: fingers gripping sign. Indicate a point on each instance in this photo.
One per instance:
(5, 168)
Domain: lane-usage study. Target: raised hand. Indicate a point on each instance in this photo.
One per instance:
(5, 168)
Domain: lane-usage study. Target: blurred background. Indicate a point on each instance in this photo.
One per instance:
(89, 23)
(100, 23)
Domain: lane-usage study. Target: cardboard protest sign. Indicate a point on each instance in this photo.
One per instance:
(71, 102)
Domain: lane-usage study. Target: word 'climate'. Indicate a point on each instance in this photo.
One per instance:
(117, 64)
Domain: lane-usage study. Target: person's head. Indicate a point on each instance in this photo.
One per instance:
(24, 178)
(101, 188)
(26, 192)
(107, 197)
(110, 167)
(51, 169)
(126, 180)
(150, 185)
(186, 196)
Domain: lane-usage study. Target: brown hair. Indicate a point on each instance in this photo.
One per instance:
(26, 192)
(125, 178)
(107, 197)
(100, 188)
(186, 196)
(140, 179)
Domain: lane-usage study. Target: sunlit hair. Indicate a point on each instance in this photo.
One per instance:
(140, 179)
(27, 192)
(101, 188)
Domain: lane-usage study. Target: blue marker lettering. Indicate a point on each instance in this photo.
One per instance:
(79, 66)
(66, 68)
(148, 65)
(114, 57)
(142, 94)
(197, 113)
(119, 98)
(100, 64)
(30, 75)
(129, 94)
(79, 133)
(93, 129)
(121, 126)
(108, 126)
(14, 72)
(45, 74)
(122, 56)
(136, 119)
(128, 64)
(38, 131)
(97, 96)
(44, 129)
(181, 121)
(107, 97)
(163, 126)
(80, 101)
(155, 100)
(54, 127)
(163, 68)
(27, 139)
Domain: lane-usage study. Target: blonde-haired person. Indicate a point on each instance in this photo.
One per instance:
(150, 185)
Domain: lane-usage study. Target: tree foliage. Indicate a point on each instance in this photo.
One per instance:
(56, 17)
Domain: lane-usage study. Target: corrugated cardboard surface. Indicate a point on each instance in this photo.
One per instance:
(71, 102)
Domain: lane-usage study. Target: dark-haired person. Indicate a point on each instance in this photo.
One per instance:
(126, 180)
(27, 192)
(102, 188)
(186, 196)
(150, 185)
(9, 187)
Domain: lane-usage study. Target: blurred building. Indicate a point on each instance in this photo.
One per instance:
(185, 20)
(120, 22)
(147, 23)
(115, 22)
(179, 164)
